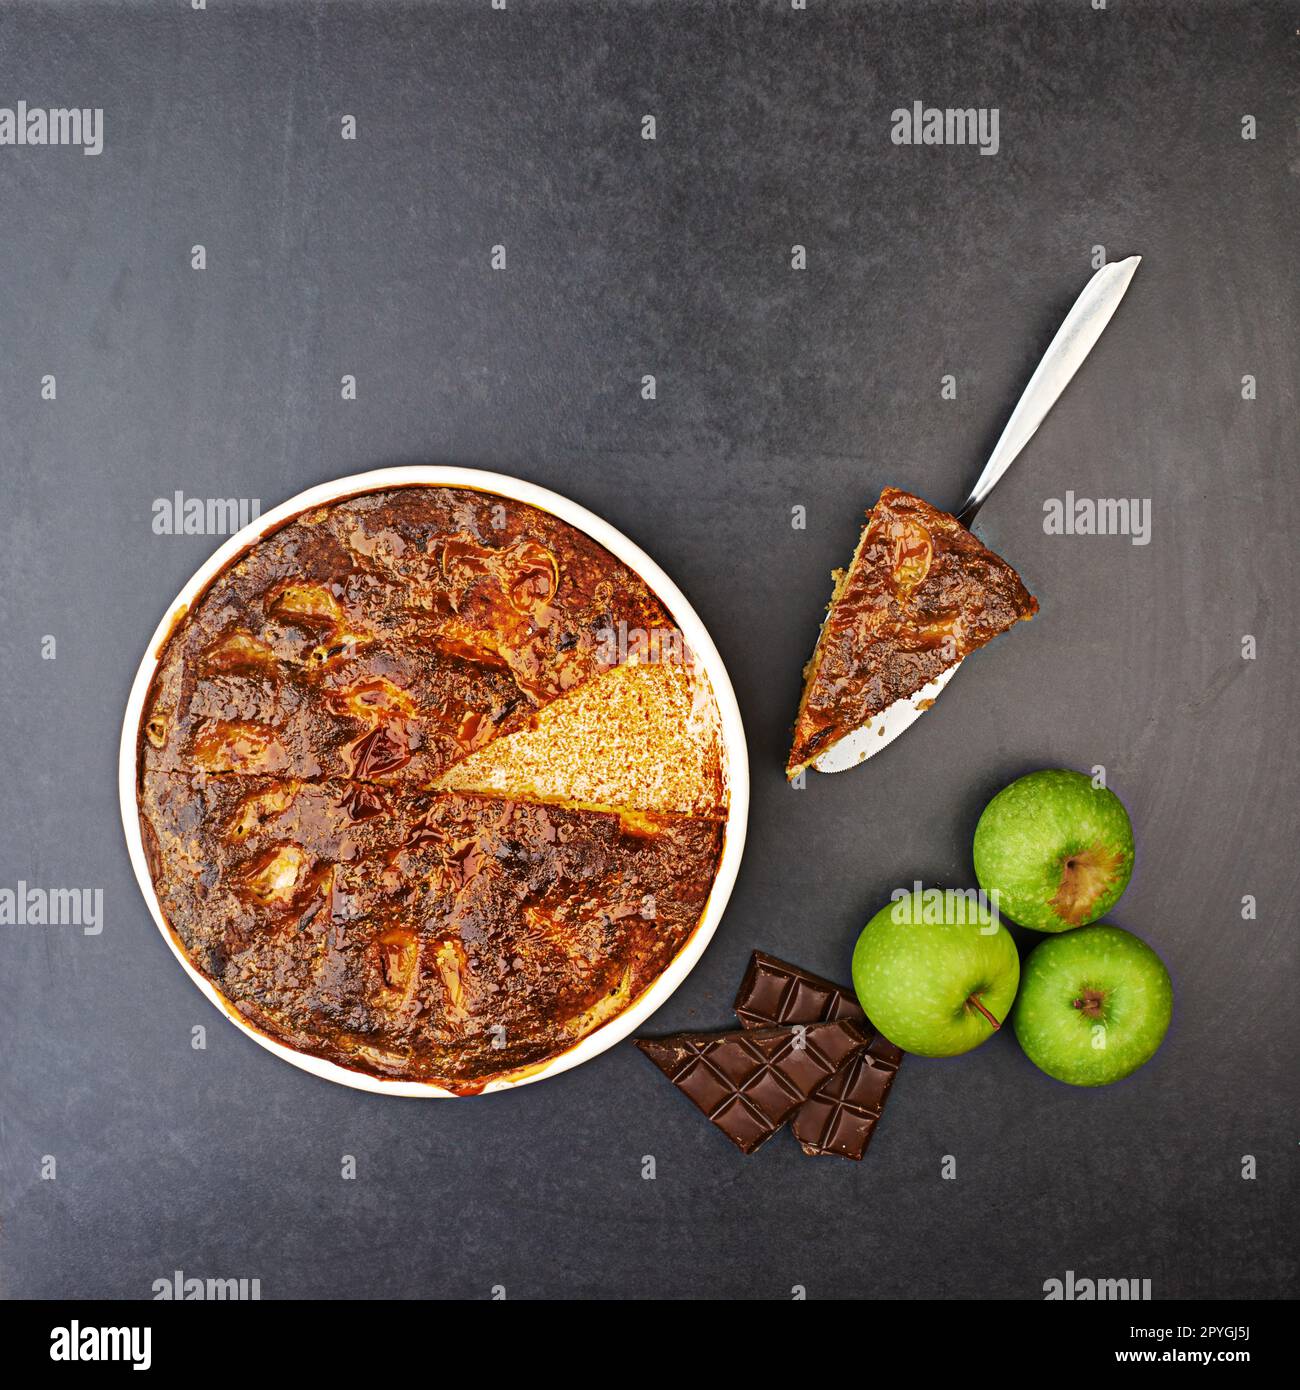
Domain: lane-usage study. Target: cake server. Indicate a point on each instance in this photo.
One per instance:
(1074, 340)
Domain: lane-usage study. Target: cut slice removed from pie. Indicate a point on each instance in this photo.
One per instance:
(920, 594)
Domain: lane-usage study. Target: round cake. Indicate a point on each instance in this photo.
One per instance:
(430, 785)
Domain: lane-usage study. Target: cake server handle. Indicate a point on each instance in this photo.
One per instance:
(1074, 340)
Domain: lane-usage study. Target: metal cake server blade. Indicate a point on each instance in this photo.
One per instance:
(1074, 340)
(882, 729)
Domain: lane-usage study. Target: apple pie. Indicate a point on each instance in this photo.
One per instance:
(407, 803)
(920, 594)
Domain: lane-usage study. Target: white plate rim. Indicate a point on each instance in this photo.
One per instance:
(684, 614)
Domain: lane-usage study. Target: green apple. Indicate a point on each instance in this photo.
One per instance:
(1094, 1005)
(1058, 850)
(934, 976)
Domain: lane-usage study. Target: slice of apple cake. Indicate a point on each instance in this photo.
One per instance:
(919, 595)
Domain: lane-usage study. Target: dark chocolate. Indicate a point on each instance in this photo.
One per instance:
(750, 1082)
(774, 991)
(842, 1116)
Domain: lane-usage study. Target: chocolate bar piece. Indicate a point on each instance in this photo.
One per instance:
(749, 1083)
(842, 1116)
(774, 991)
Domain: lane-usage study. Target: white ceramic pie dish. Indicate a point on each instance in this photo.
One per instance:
(695, 634)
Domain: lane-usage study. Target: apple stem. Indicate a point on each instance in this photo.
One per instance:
(975, 999)
(1090, 1003)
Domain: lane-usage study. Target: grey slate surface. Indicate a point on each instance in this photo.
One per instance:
(776, 388)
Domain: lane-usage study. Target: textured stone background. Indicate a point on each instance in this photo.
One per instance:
(776, 388)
